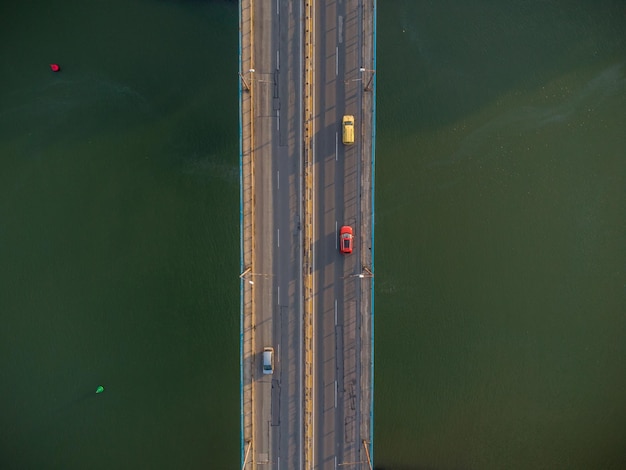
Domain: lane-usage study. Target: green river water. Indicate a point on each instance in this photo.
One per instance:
(500, 235)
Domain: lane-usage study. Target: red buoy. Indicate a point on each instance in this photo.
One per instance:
(55, 67)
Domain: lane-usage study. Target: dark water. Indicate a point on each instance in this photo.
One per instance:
(501, 236)
(119, 235)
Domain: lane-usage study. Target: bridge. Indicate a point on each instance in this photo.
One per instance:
(303, 66)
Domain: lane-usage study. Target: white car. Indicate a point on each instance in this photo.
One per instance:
(268, 361)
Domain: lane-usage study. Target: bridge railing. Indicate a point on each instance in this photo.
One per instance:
(247, 217)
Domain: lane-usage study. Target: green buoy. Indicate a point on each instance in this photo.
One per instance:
(100, 389)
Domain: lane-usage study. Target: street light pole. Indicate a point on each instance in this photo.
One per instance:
(366, 272)
(368, 86)
(248, 273)
(246, 85)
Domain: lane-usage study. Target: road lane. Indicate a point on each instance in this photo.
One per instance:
(286, 157)
(338, 92)
(265, 41)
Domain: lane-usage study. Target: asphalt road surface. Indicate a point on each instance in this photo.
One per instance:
(277, 86)
(338, 91)
(276, 79)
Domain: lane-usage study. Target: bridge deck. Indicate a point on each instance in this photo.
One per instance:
(303, 65)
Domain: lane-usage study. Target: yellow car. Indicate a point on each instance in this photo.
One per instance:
(348, 129)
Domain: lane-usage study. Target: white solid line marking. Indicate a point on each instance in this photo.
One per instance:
(278, 120)
(277, 59)
(335, 312)
(278, 294)
(278, 180)
(336, 61)
(336, 386)
(278, 237)
(336, 145)
(336, 236)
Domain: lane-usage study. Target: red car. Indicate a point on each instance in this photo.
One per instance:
(345, 239)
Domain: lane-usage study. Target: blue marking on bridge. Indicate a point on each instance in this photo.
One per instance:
(241, 262)
(371, 444)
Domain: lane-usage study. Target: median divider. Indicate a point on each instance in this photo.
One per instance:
(307, 260)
